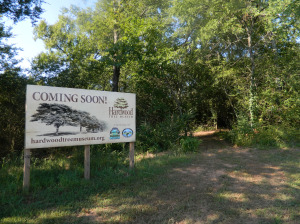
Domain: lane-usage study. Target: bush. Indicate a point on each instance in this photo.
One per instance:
(242, 132)
(276, 136)
(189, 144)
(162, 136)
(264, 136)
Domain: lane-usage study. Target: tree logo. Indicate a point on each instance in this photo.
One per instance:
(121, 103)
(119, 110)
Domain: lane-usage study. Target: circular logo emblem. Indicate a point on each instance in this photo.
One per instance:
(127, 133)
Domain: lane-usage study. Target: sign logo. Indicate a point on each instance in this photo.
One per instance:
(115, 133)
(120, 109)
(127, 133)
(121, 103)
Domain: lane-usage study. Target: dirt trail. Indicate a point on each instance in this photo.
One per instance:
(224, 184)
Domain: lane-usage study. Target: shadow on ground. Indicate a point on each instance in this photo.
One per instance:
(223, 184)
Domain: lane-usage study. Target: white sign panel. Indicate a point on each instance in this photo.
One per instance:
(67, 117)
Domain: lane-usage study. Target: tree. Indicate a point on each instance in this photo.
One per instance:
(83, 119)
(234, 41)
(98, 43)
(7, 52)
(60, 115)
(11, 79)
(19, 10)
(94, 125)
(12, 110)
(204, 62)
(121, 103)
(54, 114)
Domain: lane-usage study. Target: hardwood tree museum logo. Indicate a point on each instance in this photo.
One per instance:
(120, 109)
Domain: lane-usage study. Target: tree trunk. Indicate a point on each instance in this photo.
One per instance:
(116, 67)
(252, 103)
(116, 76)
(56, 133)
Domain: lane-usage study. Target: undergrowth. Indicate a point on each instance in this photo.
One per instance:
(57, 181)
(264, 136)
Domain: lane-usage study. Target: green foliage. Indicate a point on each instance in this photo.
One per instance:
(57, 173)
(12, 82)
(162, 136)
(277, 136)
(189, 144)
(242, 133)
(12, 110)
(18, 10)
(57, 181)
(281, 136)
(7, 52)
(177, 56)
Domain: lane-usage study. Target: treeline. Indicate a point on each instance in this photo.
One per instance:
(229, 64)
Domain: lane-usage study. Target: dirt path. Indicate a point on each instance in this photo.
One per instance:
(224, 184)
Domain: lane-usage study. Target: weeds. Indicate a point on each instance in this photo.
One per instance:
(58, 189)
(218, 185)
(264, 136)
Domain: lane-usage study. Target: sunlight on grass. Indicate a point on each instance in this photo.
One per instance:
(238, 197)
(162, 187)
(51, 216)
(14, 219)
(43, 217)
(212, 217)
(246, 177)
(283, 197)
(278, 215)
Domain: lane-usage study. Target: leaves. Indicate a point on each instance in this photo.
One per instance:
(218, 60)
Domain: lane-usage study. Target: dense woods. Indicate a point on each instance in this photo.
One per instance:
(226, 64)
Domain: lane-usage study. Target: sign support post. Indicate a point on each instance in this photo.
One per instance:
(87, 162)
(26, 177)
(131, 155)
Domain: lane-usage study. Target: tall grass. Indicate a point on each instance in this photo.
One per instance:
(58, 188)
(264, 136)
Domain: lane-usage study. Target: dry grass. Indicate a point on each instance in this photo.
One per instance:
(222, 185)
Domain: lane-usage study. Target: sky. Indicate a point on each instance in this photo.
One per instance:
(23, 31)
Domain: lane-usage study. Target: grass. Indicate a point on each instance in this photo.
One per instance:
(205, 128)
(58, 190)
(218, 185)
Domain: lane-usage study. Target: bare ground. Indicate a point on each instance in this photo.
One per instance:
(223, 184)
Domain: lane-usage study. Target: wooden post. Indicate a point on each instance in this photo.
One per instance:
(131, 155)
(26, 171)
(87, 162)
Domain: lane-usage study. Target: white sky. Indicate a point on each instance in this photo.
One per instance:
(23, 31)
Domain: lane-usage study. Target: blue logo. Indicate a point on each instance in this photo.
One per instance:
(115, 133)
(127, 133)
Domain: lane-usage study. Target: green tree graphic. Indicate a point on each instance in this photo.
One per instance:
(121, 103)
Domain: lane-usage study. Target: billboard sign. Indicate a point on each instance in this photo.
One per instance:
(58, 117)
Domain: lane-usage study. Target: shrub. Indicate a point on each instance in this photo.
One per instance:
(189, 144)
(276, 136)
(264, 136)
(162, 136)
(242, 132)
